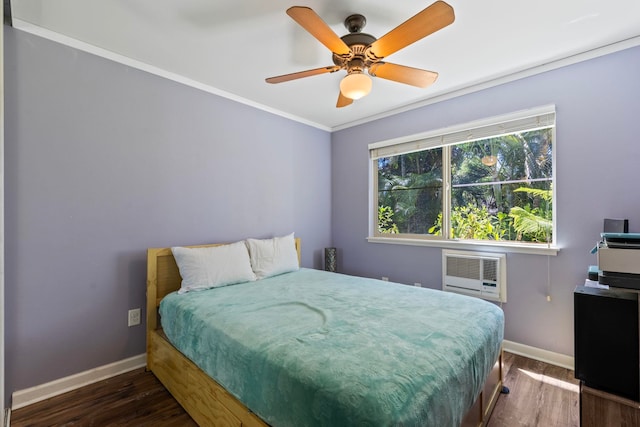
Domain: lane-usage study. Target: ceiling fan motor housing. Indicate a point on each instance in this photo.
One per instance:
(357, 60)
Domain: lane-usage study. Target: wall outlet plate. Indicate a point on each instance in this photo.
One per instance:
(134, 317)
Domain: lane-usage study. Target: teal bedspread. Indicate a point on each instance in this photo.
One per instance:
(312, 348)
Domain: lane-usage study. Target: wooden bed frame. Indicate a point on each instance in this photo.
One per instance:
(208, 403)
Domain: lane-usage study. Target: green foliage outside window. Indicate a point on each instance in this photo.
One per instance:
(471, 222)
(525, 223)
(533, 224)
(385, 221)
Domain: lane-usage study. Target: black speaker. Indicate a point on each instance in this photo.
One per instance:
(607, 349)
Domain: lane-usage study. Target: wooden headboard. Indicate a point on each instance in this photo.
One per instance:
(163, 277)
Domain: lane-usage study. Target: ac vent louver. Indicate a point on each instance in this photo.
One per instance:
(490, 269)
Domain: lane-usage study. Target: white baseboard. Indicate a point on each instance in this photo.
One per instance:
(535, 353)
(22, 398)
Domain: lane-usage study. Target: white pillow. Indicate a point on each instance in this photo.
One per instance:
(270, 257)
(204, 268)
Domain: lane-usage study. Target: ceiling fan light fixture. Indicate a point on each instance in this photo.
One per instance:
(356, 85)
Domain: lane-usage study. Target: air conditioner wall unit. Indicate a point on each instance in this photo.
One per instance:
(480, 274)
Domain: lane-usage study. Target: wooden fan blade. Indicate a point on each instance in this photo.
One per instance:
(301, 74)
(343, 101)
(403, 74)
(430, 20)
(310, 21)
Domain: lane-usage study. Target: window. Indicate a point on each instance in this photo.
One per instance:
(489, 181)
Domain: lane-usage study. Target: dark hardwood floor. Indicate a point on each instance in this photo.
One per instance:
(133, 399)
(540, 395)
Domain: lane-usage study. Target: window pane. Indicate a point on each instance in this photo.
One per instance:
(501, 188)
(410, 192)
(489, 180)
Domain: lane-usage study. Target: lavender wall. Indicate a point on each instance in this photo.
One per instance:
(598, 164)
(104, 161)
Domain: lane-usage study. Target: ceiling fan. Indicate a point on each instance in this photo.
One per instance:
(358, 52)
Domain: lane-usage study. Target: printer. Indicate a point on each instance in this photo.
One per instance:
(619, 260)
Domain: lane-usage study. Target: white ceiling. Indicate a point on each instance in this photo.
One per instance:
(229, 47)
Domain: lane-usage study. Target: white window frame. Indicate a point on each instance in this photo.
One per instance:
(543, 116)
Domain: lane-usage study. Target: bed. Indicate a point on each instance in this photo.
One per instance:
(325, 362)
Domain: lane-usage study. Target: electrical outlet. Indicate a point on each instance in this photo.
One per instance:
(134, 317)
(386, 279)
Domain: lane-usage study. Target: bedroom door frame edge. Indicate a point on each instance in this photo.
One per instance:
(4, 414)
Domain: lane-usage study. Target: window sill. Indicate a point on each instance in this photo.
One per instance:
(485, 246)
